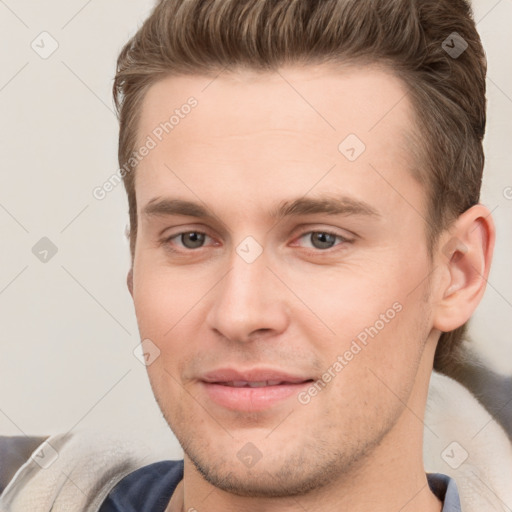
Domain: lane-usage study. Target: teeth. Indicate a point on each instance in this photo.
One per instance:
(259, 384)
(245, 384)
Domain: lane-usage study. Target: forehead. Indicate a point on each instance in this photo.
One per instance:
(325, 100)
(283, 128)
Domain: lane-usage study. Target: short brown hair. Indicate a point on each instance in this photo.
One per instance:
(412, 37)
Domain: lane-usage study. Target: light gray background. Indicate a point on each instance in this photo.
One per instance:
(68, 328)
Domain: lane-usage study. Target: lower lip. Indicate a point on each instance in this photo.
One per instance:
(251, 399)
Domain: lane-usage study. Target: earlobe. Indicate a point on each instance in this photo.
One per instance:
(129, 281)
(464, 256)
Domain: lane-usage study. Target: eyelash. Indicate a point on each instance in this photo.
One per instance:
(343, 239)
(166, 241)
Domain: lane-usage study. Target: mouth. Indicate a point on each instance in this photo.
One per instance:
(251, 391)
(257, 384)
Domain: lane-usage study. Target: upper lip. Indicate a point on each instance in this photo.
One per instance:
(252, 375)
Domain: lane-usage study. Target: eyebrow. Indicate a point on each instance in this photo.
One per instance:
(329, 205)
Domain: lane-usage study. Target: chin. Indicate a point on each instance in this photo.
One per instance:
(270, 480)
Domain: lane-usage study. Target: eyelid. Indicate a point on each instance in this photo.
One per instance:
(349, 236)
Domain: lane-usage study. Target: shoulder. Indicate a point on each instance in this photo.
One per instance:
(445, 488)
(148, 488)
(75, 471)
(463, 441)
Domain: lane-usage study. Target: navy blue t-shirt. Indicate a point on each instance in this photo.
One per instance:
(149, 489)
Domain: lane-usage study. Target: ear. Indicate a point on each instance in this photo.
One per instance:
(129, 281)
(464, 255)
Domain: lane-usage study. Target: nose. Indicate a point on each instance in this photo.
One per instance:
(249, 303)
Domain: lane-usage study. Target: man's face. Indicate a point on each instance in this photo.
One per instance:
(246, 298)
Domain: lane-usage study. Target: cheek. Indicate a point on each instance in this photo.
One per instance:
(373, 317)
(345, 300)
(161, 298)
(169, 310)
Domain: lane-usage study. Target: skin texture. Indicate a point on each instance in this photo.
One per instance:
(253, 141)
